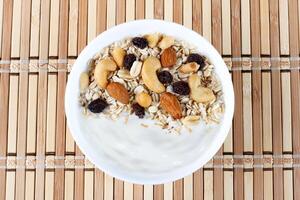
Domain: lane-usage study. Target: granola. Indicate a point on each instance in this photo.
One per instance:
(152, 76)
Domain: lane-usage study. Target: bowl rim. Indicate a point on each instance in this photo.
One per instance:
(191, 167)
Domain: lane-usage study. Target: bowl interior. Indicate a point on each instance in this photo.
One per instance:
(130, 151)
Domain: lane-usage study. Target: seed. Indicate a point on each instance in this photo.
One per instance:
(136, 68)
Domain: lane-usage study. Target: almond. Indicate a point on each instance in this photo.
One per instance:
(118, 92)
(168, 57)
(189, 67)
(171, 105)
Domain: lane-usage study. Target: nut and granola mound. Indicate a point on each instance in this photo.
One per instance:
(153, 76)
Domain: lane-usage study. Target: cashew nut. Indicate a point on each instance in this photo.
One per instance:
(150, 66)
(166, 42)
(118, 54)
(198, 93)
(143, 99)
(102, 70)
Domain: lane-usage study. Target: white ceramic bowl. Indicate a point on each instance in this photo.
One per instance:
(134, 153)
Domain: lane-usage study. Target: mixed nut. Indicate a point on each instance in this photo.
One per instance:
(153, 76)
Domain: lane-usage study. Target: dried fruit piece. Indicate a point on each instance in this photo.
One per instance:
(102, 70)
(140, 42)
(118, 92)
(198, 93)
(118, 55)
(189, 67)
(165, 77)
(136, 68)
(129, 60)
(149, 76)
(138, 110)
(181, 87)
(97, 106)
(194, 57)
(152, 39)
(143, 99)
(166, 42)
(84, 81)
(171, 105)
(168, 57)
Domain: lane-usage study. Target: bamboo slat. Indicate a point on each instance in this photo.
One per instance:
(35, 28)
(59, 176)
(198, 186)
(43, 118)
(295, 89)
(69, 185)
(54, 28)
(228, 187)
(237, 80)
(148, 192)
(81, 43)
(149, 10)
(73, 27)
(29, 186)
(276, 99)
(88, 182)
(100, 27)
(49, 185)
(10, 186)
(257, 98)
(245, 27)
(128, 191)
(168, 191)
(258, 39)
(32, 111)
(217, 42)
(226, 32)
(138, 192)
(12, 114)
(1, 21)
(206, 20)
(284, 27)
(16, 29)
(265, 27)
(23, 99)
(140, 9)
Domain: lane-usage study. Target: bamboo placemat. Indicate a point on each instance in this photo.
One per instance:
(259, 40)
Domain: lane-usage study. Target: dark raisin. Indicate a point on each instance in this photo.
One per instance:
(138, 110)
(194, 57)
(140, 42)
(181, 87)
(129, 60)
(165, 77)
(97, 106)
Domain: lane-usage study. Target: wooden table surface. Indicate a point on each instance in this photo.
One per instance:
(259, 40)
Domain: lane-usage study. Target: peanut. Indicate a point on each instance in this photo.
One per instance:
(143, 99)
